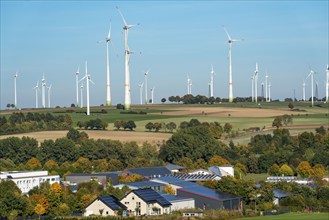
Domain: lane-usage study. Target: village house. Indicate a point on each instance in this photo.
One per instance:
(105, 206)
(145, 202)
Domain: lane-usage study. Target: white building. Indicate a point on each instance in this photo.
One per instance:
(104, 206)
(27, 180)
(224, 170)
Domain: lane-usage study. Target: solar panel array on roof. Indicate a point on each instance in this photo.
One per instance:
(195, 177)
(149, 195)
(112, 202)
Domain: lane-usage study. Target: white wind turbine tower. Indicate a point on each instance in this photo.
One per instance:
(256, 78)
(312, 77)
(43, 91)
(252, 88)
(15, 91)
(108, 90)
(152, 94)
(304, 85)
(212, 73)
(145, 81)
(77, 86)
(87, 77)
(230, 42)
(141, 92)
(266, 94)
(49, 89)
(269, 91)
(126, 28)
(188, 85)
(327, 84)
(36, 88)
(81, 95)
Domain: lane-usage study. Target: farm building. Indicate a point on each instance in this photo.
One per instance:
(158, 187)
(206, 198)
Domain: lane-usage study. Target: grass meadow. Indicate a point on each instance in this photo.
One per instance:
(293, 216)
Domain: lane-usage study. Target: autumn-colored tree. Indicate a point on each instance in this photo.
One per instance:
(286, 170)
(100, 165)
(57, 188)
(304, 169)
(51, 165)
(83, 165)
(217, 161)
(200, 163)
(239, 170)
(39, 210)
(274, 170)
(86, 199)
(319, 171)
(185, 162)
(33, 164)
(169, 190)
(130, 178)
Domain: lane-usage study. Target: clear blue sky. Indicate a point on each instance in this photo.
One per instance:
(176, 38)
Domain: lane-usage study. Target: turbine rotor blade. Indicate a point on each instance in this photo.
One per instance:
(228, 35)
(124, 21)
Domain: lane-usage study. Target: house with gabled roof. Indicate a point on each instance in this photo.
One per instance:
(105, 206)
(145, 202)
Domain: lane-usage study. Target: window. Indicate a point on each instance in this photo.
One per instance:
(107, 212)
(133, 198)
(52, 179)
(126, 203)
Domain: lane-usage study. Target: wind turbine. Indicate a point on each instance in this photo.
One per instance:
(252, 88)
(36, 88)
(266, 94)
(312, 76)
(77, 86)
(108, 90)
(126, 28)
(256, 78)
(145, 81)
(141, 92)
(81, 95)
(15, 92)
(316, 90)
(212, 73)
(269, 91)
(152, 93)
(304, 85)
(230, 42)
(87, 77)
(43, 91)
(327, 84)
(49, 89)
(262, 84)
(188, 85)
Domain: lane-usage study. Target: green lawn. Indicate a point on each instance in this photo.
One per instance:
(257, 177)
(293, 216)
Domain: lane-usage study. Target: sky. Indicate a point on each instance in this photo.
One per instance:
(173, 39)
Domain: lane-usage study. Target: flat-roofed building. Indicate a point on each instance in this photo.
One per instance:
(27, 180)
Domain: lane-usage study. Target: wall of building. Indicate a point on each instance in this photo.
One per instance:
(186, 204)
(202, 202)
(95, 207)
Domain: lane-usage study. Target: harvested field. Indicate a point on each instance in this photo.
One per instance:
(123, 136)
(224, 112)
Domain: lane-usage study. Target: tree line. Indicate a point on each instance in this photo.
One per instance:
(18, 122)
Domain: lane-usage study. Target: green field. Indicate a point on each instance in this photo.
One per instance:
(293, 216)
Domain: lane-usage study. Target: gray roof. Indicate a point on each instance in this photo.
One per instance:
(144, 184)
(149, 195)
(170, 166)
(278, 193)
(208, 193)
(175, 181)
(150, 172)
(172, 198)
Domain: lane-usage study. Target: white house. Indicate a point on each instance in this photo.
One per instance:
(27, 180)
(104, 206)
(145, 202)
